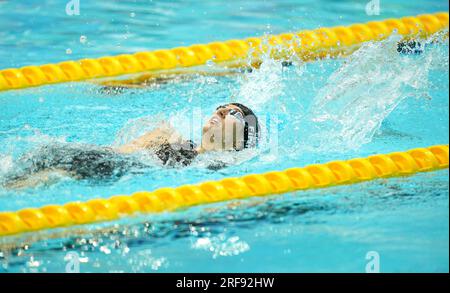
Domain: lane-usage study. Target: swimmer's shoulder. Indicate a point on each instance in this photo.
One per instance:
(152, 140)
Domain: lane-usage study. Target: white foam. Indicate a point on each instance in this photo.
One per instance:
(362, 92)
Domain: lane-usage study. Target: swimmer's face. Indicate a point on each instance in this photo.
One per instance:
(224, 130)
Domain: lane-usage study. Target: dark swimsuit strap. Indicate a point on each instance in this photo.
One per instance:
(173, 154)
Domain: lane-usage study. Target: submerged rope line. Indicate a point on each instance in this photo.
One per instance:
(308, 45)
(275, 182)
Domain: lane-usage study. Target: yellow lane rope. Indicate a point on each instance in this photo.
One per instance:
(275, 182)
(308, 45)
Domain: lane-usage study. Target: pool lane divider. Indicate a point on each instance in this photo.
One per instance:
(307, 44)
(276, 182)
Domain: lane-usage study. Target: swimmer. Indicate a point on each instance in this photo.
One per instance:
(113, 87)
(232, 127)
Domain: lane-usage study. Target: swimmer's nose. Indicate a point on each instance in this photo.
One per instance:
(222, 113)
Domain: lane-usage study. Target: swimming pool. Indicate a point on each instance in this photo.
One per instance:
(387, 102)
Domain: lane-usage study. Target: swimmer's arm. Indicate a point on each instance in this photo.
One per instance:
(45, 177)
(150, 140)
(156, 78)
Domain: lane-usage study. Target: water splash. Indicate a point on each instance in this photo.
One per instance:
(6, 164)
(263, 86)
(361, 93)
(135, 128)
(17, 146)
(20, 140)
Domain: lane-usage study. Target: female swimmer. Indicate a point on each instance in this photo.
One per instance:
(231, 127)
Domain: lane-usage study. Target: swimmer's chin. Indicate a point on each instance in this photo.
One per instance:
(200, 150)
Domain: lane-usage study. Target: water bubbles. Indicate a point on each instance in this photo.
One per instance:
(157, 263)
(221, 246)
(68, 51)
(145, 259)
(105, 250)
(202, 242)
(83, 40)
(32, 263)
(132, 14)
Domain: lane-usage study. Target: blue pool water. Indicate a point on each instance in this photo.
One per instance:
(381, 102)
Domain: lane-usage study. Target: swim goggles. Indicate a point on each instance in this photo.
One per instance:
(250, 131)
